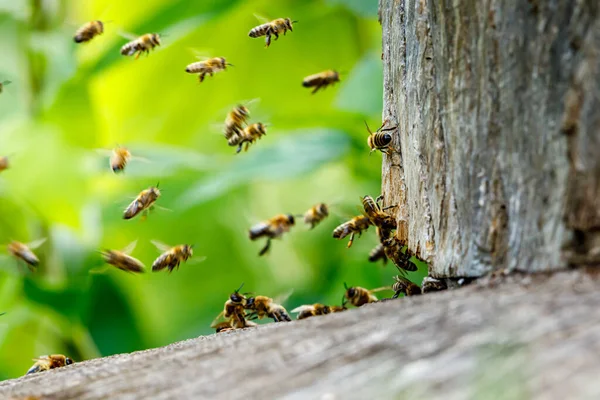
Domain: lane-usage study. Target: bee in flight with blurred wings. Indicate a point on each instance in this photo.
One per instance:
(316, 214)
(88, 31)
(143, 202)
(24, 252)
(122, 260)
(172, 256)
(321, 80)
(271, 229)
(355, 225)
(119, 157)
(4, 164)
(209, 66)
(271, 28)
(45, 363)
(139, 45)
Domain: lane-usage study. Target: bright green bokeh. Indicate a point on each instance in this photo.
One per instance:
(66, 101)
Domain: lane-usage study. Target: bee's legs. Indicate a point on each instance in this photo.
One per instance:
(266, 248)
(138, 55)
(247, 145)
(351, 240)
(379, 200)
(316, 89)
(267, 40)
(395, 296)
(201, 76)
(239, 148)
(276, 35)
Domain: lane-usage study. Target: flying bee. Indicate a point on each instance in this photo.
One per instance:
(210, 67)
(393, 250)
(142, 44)
(88, 31)
(44, 363)
(119, 157)
(263, 306)
(405, 286)
(355, 225)
(274, 28)
(24, 252)
(143, 202)
(248, 135)
(358, 296)
(2, 84)
(380, 140)
(321, 80)
(171, 256)
(4, 164)
(271, 229)
(378, 253)
(235, 121)
(122, 260)
(316, 214)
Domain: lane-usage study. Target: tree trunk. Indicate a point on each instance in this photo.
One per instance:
(518, 340)
(497, 152)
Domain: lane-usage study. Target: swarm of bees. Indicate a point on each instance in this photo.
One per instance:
(241, 310)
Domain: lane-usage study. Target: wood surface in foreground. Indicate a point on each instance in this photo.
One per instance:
(527, 337)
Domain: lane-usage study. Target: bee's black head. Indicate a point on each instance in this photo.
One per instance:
(68, 361)
(291, 219)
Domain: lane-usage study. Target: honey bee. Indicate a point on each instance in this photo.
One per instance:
(378, 253)
(143, 202)
(119, 158)
(355, 225)
(321, 80)
(2, 84)
(24, 252)
(44, 363)
(271, 229)
(4, 164)
(88, 31)
(226, 326)
(405, 286)
(122, 260)
(393, 250)
(248, 135)
(316, 214)
(234, 311)
(263, 306)
(358, 296)
(274, 28)
(377, 215)
(311, 310)
(210, 67)
(171, 256)
(142, 44)
(433, 285)
(379, 140)
(235, 121)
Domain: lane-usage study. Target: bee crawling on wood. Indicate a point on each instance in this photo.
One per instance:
(393, 250)
(274, 28)
(321, 80)
(45, 363)
(312, 310)
(271, 229)
(404, 286)
(380, 139)
(234, 312)
(358, 296)
(433, 285)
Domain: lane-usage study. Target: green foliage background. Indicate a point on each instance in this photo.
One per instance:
(66, 101)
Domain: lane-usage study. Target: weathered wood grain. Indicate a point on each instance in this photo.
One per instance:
(498, 147)
(532, 337)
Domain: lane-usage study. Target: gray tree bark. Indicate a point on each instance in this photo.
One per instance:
(532, 337)
(497, 161)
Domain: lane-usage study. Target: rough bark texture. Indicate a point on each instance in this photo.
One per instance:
(533, 337)
(497, 160)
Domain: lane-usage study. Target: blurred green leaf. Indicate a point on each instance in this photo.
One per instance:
(363, 8)
(357, 93)
(295, 154)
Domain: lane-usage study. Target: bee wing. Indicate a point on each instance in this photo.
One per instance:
(142, 159)
(129, 248)
(216, 320)
(104, 152)
(302, 308)
(201, 55)
(36, 243)
(282, 297)
(162, 208)
(161, 246)
(261, 18)
(128, 35)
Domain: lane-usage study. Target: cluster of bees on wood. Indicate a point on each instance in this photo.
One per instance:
(241, 309)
